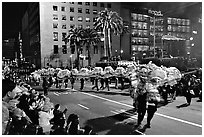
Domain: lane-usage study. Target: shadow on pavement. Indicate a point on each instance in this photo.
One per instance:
(117, 124)
(105, 92)
(182, 105)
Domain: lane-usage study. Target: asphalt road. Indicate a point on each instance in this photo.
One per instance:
(112, 114)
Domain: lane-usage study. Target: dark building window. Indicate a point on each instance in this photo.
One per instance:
(87, 11)
(71, 2)
(80, 3)
(63, 17)
(55, 49)
(79, 10)
(64, 35)
(64, 49)
(71, 9)
(63, 8)
(109, 5)
(55, 25)
(55, 17)
(71, 18)
(64, 26)
(87, 3)
(55, 36)
(94, 3)
(72, 26)
(102, 5)
(55, 8)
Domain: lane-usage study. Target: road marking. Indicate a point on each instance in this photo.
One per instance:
(166, 116)
(83, 106)
(180, 120)
(119, 113)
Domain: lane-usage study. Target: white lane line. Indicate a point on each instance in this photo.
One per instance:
(83, 106)
(119, 113)
(166, 116)
(180, 120)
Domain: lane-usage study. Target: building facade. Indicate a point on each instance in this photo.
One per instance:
(49, 22)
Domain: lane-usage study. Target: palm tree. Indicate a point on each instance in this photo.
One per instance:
(74, 37)
(109, 22)
(89, 38)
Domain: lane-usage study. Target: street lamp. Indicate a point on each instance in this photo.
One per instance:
(71, 61)
(121, 52)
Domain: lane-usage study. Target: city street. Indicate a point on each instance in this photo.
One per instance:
(112, 114)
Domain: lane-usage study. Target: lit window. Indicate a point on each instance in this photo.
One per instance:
(109, 5)
(55, 36)
(63, 17)
(71, 9)
(80, 19)
(87, 19)
(55, 17)
(94, 19)
(80, 26)
(80, 3)
(71, 18)
(102, 5)
(79, 10)
(64, 26)
(72, 26)
(55, 25)
(87, 11)
(55, 49)
(87, 3)
(64, 49)
(55, 8)
(87, 26)
(169, 20)
(94, 3)
(63, 8)
(94, 11)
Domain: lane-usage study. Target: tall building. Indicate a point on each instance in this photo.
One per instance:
(49, 22)
(46, 23)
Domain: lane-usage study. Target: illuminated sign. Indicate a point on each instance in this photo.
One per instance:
(155, 13)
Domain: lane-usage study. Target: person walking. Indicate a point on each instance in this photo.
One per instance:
(189, 91)
(45, 86)
(72, 80)
(102, 83)
(107, 82)
(82, 83)
(96, 83)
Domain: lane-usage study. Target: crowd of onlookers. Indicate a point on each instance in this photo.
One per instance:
(27, 111)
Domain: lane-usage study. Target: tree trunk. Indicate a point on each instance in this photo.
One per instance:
(109, 43)
(105, 43)
(89, 56)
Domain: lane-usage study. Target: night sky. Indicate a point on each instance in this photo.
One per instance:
(12, 13)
